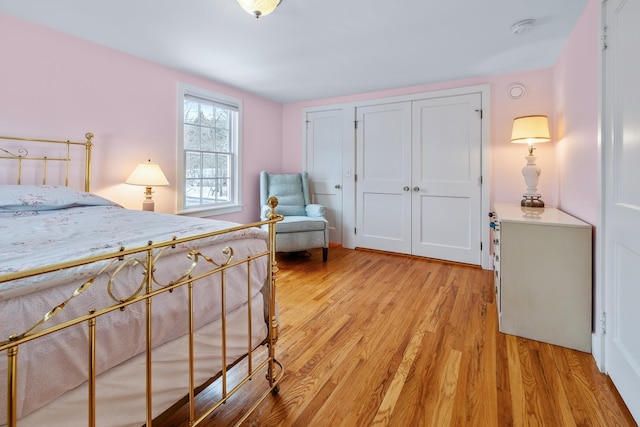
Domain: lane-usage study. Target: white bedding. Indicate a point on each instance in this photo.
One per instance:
(50, 225)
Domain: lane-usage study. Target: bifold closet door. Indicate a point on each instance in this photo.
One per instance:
(446, 178)
(383, 186)
(418, 188)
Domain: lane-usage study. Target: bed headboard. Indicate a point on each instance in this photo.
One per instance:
(37, 157)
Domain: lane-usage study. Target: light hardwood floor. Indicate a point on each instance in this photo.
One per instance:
(380, 339)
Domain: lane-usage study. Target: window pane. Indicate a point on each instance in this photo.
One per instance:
(191, 137)
(222, 166)
(209, 191)
(208, 165)
(191, 112)
(208, 136)
(222, 118)
(193, 192)
(223, 188)
(193, 167)
(207, 117)
(222, 140)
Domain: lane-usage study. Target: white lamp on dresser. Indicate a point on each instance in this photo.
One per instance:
(531, 130)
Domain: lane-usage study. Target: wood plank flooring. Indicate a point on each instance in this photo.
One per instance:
(372, 339)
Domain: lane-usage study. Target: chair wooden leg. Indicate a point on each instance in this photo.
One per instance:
(325, 253)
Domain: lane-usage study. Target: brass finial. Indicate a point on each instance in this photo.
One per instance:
(272, 202)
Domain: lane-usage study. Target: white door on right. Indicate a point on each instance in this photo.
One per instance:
(446, 172)
(622, 199)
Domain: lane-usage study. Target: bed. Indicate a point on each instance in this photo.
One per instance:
(110, 316)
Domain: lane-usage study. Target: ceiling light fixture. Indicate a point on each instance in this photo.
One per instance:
(523, 26)
(259, 8)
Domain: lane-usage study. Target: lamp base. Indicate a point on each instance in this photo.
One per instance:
(532, 202)
(148, 205)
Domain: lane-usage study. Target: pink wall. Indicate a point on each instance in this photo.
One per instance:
(576, 79)
(567, 93)
(507, 160)
(56, 86)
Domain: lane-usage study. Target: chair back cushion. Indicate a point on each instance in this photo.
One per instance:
(288, 188)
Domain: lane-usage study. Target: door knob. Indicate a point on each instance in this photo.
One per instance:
(338, 186)
(406, 188)
(416, 188)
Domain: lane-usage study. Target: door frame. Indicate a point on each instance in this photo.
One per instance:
(349, 159)
(598, 347)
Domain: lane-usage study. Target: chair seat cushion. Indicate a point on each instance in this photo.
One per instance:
(294, 224)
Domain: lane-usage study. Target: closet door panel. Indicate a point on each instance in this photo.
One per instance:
(446, 185)
(383, 196)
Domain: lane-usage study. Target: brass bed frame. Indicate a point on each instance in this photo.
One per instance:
(146, 258)
(20, 154)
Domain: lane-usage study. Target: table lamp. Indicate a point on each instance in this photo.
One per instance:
(147, 174)
(531, 130)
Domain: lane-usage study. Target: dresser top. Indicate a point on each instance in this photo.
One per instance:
(508, 212)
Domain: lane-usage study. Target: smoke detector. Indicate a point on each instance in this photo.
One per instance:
(523, 26)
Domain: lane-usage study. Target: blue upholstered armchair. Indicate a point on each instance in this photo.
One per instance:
(304, 225)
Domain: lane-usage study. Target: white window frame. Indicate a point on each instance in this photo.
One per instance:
(235, 205)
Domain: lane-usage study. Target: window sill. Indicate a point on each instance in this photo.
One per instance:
(212, 211)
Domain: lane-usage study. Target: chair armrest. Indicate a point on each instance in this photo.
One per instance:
(263, 212)
(315, 211)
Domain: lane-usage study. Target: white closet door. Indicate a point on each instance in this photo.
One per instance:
(446, 170)
(622, 202)
(324, 141)
(383, 196)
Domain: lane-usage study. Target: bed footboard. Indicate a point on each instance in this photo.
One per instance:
(147, 296)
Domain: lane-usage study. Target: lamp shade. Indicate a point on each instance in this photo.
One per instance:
(147, 174)
(259, 8)
(530, 130)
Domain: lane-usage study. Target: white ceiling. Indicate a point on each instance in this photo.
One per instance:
(309, 49)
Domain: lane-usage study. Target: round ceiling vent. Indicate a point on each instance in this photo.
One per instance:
(523, 26)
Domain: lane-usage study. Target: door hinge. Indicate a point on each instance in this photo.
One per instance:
(355, 230)
(603, 38)
(480, 245)
(355, 177)
(355, 124)
(481, 181)
(603, 323)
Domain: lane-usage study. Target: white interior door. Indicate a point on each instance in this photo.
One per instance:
(383, 164)
(622, 199)
(324, 139)
(446, 170)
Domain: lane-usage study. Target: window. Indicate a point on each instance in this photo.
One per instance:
(208, 152)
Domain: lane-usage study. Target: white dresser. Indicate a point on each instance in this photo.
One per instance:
(543, 275)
